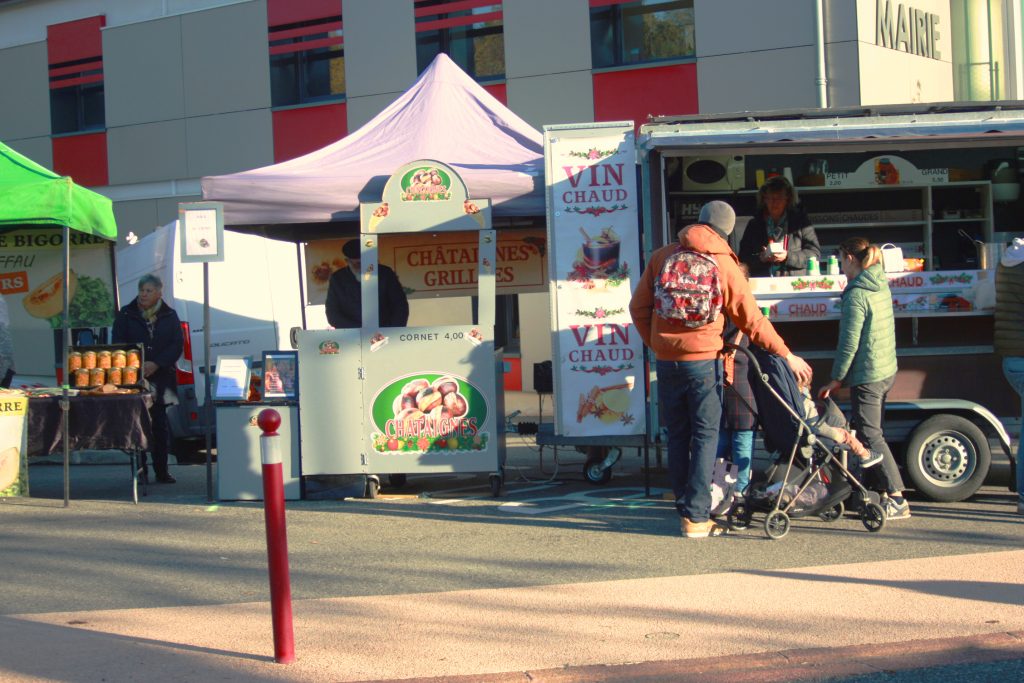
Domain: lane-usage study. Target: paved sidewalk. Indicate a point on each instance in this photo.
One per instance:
(767, 624)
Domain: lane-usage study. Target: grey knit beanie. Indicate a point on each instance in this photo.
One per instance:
(719, 216)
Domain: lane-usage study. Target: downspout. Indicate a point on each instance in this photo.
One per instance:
(819, 46)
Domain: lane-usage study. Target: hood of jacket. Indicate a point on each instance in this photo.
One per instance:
(872, 279)
(705, 239)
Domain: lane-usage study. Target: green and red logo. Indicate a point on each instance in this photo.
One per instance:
(428, 412)
(426, 184)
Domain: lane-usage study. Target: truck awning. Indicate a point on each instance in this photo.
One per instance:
(949, 125)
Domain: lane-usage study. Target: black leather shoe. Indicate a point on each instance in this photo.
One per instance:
(166, 478)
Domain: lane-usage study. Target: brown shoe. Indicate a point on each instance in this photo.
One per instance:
(704, 529)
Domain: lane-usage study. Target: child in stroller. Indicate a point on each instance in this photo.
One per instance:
(815, 479)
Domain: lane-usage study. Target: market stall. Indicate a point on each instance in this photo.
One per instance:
(410, 400)
(34, 202)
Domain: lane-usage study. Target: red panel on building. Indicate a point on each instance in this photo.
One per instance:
(83, 157)
(290, 12)
(633, 94)
(300, 131)
(498, 91)
(75, 40)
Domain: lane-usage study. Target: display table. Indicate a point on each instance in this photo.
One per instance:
(115, 422)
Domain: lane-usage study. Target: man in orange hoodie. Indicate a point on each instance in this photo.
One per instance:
(689, 370)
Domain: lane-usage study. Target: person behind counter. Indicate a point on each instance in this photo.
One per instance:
(344, 294)
(149, 321)
(779, 221)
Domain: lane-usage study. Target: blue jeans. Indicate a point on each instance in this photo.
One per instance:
(1013, 368)
(739, 445)
(690, 398)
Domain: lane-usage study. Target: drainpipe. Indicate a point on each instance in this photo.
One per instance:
(819, 46)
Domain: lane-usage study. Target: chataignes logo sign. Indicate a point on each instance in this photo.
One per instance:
(428, 412)
(426, 184)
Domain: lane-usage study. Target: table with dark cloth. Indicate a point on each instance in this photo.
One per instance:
(113, 422)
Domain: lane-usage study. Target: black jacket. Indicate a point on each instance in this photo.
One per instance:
(345, 303)
(163, 342)
(803, 243)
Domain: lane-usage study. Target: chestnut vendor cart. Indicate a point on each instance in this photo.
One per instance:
(406, 400)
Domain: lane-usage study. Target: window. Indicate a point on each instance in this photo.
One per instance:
(468, 31)
(75, 58)
(624, 32)
(979, 52)
(307, 61)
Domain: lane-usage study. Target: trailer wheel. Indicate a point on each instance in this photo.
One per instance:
(948, 458)
(372, 487)
(593, 469)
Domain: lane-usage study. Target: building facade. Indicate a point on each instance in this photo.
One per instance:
(139, 99)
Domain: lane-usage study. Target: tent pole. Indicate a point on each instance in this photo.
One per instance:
(65, 403)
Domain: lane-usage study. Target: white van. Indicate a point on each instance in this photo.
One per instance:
(255, 301)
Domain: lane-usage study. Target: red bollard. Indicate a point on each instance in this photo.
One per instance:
(277, 537)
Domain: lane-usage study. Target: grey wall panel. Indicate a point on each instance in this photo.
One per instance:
(142, 74)
(138, 216)
(362, 109)
(842, 62)
(538, 39)
(229, 142)
(167, 207)
(225, 58)
(39, 150)
(147, 152)
(748, 25)
(840, 20)
(773, 79)
(23, 70)
(380, 55)
(556, 98)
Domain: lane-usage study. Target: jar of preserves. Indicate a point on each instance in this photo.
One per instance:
(103, 359)
(130, 375)
(88, 359)
(133, 359)
(81, 378)
(97, 377)
(74, 361)
(114, 375)
(118, 359)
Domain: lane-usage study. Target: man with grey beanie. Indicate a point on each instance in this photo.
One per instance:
(684, 331)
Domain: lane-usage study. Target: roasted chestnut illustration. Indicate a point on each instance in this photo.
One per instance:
(428, 399)
(446, 385)
(455, 404)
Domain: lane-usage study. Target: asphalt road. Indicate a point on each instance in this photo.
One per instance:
(439, 533)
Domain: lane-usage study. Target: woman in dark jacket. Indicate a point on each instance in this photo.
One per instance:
(147, 320)
(778, 220)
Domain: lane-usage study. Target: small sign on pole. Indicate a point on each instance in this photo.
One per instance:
(202, 231)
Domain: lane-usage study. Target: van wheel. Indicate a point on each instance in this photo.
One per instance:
(948, 458)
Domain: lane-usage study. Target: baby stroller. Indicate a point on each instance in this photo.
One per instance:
(815, 480)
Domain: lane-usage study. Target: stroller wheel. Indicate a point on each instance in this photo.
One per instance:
(776, 524)
(739, 516)
(833, 513)
(873, 517)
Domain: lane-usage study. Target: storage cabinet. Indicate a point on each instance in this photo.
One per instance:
(924, 220)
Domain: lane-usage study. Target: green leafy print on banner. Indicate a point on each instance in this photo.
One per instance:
(92, 306)
(429, 412)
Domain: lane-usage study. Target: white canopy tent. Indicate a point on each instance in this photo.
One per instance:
(445, 115)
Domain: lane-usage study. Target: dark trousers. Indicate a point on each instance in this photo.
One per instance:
(160, 446)
(867, 402)
(690, 398)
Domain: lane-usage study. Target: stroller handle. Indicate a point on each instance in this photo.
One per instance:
(747, 352)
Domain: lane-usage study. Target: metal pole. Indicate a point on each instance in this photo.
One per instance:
(65, 401)
(207, 391)
(277, 537)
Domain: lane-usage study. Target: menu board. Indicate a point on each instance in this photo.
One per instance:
(594, 264)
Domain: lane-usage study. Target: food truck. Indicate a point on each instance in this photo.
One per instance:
(939, 185)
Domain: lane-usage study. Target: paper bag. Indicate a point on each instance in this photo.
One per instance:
(892, 258)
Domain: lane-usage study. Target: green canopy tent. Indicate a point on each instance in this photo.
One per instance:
(32, 195)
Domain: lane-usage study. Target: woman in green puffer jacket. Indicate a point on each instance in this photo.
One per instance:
(866, 360)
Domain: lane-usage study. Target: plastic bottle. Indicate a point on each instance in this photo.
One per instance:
(812, 266)
(833, 265)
